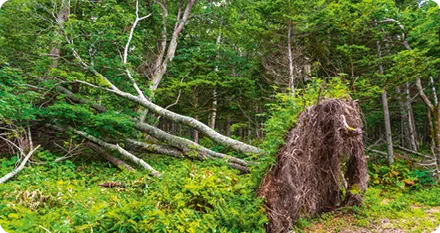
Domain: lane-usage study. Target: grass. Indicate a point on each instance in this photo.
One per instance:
(384, 210)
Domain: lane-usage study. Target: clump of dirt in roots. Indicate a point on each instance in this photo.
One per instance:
(321, 167)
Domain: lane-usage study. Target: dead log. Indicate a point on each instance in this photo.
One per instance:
(307, 178)
(412, 152)
(154, 148)
(169, 150)
(19, 168)
(186, 145)
(176, 143)
(185, 120)
(110, 146)
(119, 149)
(112, 185)
(115, 161)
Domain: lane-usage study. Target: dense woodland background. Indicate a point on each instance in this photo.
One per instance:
(197, 96)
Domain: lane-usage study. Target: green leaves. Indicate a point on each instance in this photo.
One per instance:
(189, 197)
(15, 97)
(399, 176)
(287, 108)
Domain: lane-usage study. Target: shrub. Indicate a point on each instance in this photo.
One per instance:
(399, 175)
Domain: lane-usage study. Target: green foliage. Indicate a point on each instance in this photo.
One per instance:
(399, 176)
(15, 98)
(383, 209)
(110, 124)
(287, 107)
(189, 197)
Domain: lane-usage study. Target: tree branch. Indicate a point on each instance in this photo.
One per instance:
(136, 21)
(21, 167)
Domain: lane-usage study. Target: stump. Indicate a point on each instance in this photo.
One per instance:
(321, 167)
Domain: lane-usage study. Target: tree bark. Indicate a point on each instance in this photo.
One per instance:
(185, 145)
(411, 123)
(290, 57)
(162, 63)
(386, 113)
(19, 168)
(115, 161)
(404, 128)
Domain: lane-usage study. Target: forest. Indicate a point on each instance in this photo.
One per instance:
(219, 116)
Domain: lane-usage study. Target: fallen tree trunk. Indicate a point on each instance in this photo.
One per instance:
(412, 151)
(185, 145)
(112, 147)
(217, 137)
(168, 150)
(19, 168)
(155, 148)
(121, 150)
(185, 120)
(378, 152)
(188, 146)
(115, 161)
(179, 145)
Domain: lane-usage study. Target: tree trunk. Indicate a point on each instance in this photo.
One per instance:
(196, 134)
(115, 161)
(411, 123)
(213, 109)
(386, 113)
(162, 68)
(61, 18)
(290, 57)
(388, 134)
(435, 122)
(119, 149)
(214, 91)
(20, 167)
(187, 145)
(228, 125)
(404, 127)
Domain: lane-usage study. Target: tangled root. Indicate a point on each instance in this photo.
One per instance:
(321, 167)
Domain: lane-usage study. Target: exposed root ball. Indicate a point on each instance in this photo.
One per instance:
(321, 167)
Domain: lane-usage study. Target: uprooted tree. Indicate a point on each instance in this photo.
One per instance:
(321, 167)
(80, 75)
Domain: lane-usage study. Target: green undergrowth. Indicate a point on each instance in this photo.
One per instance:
(384, 210)
(400, 198)
(189, 197)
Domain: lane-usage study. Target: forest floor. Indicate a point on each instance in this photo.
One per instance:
(66, 197)
(387, 211)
